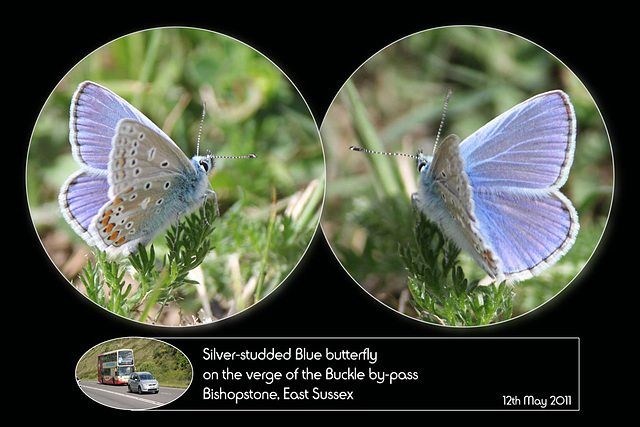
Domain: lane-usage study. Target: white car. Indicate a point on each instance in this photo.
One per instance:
(142, 382)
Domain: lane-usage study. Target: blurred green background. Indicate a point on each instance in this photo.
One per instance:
(251, 107)
(395, 102)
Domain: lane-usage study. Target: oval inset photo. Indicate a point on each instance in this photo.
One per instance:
(469, 176)
(134, 373)
(175, 176)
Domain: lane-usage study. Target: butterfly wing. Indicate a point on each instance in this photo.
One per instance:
(528, 234)
(446, 196)
(141, 154)
(527, 149)
(93, 197)
(516, 163)
(151, 183)
(93, 117)
(81, 197)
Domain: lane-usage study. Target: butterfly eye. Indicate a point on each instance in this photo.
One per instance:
(206, 164)
(421, 165)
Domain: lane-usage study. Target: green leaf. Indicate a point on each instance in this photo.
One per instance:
(441, 293)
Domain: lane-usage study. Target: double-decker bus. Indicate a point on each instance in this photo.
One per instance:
(114, 367)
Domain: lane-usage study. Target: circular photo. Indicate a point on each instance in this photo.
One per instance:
(134, 373)
(175, 176)
(469, 176)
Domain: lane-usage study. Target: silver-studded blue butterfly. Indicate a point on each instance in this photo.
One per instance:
(497, 193)
(134, 181)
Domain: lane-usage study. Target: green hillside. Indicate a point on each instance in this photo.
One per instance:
(168, 364)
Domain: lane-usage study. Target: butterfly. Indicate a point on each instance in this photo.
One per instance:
(496, 194)
(134, 180)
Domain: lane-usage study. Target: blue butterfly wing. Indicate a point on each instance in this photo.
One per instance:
(81, 197)
(93, 117)
(515, 165)
(527, 149)
(527, 233)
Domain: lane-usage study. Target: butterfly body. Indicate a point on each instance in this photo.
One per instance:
(446, 197)
(134, 180)
(496, 194)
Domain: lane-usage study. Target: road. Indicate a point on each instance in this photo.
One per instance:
(117, 396)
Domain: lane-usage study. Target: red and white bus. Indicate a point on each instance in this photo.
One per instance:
(114, 367)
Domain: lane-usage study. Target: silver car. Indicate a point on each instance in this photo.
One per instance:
(142, 382)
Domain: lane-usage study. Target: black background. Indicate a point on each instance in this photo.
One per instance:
(54, 325)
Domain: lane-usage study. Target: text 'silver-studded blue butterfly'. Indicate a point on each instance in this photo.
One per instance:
(134, 179)
(497, 193)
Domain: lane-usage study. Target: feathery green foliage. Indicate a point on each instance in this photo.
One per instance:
(157, 277)
(440, 291)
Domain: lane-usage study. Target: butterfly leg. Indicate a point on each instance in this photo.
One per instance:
(415, 204)
(204, 215)
(414, 201)
(175, 237)
(215, 202)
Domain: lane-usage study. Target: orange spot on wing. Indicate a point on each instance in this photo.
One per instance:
(487, 257)
(106, 217)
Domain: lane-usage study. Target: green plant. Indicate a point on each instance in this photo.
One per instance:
(157, 278)
(393, 103)
(270, 206)
(208, 267)
(440, 290)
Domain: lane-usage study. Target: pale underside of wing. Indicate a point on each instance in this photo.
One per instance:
(456, 214)
(144, 169)
(140, 154)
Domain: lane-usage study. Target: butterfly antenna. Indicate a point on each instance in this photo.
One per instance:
(444, 111)
(204, 105)
(204, 109)
(364, 150)
(248, 156)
